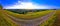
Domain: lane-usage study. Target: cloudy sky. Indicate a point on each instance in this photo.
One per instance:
(30, 4)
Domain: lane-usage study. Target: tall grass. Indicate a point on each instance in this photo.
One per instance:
(50, 21)
(5, 20)
(28, 15)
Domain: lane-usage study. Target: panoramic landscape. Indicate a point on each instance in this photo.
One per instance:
(29, 13)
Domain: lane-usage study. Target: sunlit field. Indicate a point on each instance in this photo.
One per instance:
(29, 12)
(50, 21)
(57, 21)
(5, 20)
(29, 15)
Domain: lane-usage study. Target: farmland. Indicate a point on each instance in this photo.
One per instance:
(28, 16)
(50, 21)
(57, 21)
(5, 20)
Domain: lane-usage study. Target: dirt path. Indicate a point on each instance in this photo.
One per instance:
(57, 21)
(34, 22)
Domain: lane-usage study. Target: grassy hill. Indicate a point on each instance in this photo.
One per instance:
(57, 21)
(6, 21)
(28, 15)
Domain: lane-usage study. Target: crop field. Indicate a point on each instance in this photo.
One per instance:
(5, 20)
(57, 21)
(29, 15)
(50, 21)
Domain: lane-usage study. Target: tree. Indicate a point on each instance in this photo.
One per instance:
(1, 7)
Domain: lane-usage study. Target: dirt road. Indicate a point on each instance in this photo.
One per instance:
(33, 22)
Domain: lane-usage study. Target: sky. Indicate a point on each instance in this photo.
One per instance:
(30, 4)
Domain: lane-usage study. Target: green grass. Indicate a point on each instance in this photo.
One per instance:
(28, 15)
(5, 20)
(50, 21)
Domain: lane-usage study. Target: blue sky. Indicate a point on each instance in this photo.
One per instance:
(34, 3)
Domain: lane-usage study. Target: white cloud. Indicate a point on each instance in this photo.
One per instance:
(26, 5)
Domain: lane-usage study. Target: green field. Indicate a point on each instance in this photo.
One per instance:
(29, 15)
(6, 21)
(50, 21)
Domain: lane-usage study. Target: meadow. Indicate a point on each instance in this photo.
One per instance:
(57, 21)
(29, 15)
(50, 21)
(6, 21)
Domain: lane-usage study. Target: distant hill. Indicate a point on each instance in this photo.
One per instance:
(24, 11)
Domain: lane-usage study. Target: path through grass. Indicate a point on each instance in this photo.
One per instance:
(5, 20)
(28, 15)
(57, 21)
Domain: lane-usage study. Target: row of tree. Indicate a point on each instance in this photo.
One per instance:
(23, 11)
